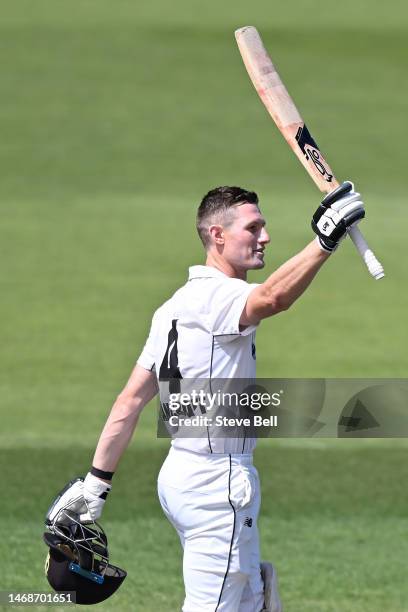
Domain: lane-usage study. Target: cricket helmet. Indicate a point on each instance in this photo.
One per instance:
(78, 557)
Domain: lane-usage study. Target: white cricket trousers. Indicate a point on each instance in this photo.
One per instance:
(213, 502)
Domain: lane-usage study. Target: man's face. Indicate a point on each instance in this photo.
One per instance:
(245, 238)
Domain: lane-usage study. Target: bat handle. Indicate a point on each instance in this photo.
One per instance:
(374, 267)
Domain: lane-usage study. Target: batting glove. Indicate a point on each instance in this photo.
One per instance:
(340, 210)
(95, 492)
(69, 501)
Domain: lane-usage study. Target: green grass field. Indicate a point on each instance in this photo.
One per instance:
(115, 119)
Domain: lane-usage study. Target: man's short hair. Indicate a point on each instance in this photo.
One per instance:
(216, 204)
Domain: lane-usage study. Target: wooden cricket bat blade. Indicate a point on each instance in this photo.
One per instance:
(287, 118)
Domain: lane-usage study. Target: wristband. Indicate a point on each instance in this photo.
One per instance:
(101, 474)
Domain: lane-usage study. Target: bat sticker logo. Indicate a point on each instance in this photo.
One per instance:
(311, 151)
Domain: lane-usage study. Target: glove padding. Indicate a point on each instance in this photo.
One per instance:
(340, 210)
(95, 492)
(69, 500)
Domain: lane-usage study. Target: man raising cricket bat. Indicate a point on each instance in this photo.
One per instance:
(283, 111)
(208, 486)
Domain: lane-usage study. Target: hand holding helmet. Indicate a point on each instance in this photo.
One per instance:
(95, 492)
(78, 557)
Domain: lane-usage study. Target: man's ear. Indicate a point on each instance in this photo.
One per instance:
(217, 234)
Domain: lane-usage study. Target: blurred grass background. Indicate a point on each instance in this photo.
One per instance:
(115, 119)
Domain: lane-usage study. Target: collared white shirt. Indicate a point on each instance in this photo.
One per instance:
(196, 335)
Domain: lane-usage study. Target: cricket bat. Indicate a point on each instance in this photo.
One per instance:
(283, 111)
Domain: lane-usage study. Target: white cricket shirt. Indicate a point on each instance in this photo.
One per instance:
(196, 335)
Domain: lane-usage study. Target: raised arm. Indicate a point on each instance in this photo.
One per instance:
(284, 286)
(339, 211)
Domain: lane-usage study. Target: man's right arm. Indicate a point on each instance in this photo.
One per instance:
(284, 286)
(339, 210)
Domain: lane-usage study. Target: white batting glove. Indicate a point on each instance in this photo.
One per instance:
(95, 492)
(69, 500)
(340, 210)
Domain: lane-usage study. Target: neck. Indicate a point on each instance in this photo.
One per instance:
(215, 261)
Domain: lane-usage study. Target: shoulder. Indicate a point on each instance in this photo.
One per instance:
(170, 306)
(228, 287)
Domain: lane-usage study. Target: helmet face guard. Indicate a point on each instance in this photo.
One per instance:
(78, 558)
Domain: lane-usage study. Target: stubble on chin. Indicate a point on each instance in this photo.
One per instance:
(257, 265)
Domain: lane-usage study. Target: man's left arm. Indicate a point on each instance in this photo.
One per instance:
(120, 425)
(115, 437)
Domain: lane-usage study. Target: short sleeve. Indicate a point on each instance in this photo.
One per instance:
(226, 302)
(147, 357)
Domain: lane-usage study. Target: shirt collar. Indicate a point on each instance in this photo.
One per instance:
(204, 272)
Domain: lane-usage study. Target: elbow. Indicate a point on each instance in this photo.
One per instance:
(278, 302)
(282, 304)
(122, 398)
(124, 402)
(265, 302)
(128, 403)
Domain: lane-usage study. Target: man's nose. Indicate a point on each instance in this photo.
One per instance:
(264, 237)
